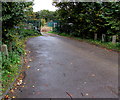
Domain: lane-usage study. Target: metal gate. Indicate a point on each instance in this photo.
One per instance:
(55, 25)
(36, 23)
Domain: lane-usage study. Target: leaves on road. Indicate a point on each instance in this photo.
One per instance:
(33, 86)
(28, 66)
(13, 97)
(86, 94)
(30, 60)
(6, 97)
(19, 82)
(85, 82)
(12, 91)
(93, 75)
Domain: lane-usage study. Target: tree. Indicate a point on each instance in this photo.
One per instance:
(12, 14)
(47, 15)
(89, 18)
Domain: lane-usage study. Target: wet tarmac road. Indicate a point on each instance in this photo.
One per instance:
(63, 67)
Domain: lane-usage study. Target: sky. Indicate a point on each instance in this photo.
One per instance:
(43, 4)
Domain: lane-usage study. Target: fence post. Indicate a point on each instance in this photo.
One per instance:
(95, 37)
(4, 49)
(103, 37)
(114, 39)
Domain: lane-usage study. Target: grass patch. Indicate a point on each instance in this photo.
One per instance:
(107, 45)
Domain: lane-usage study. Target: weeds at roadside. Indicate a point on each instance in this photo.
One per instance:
(11, 64)
(107, 45)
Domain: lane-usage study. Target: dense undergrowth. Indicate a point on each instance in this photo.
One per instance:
(15, 31)
(107, 45)
(12, 63)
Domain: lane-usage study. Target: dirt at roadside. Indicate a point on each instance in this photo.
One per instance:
(46, 29)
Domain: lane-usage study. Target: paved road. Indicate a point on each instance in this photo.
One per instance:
(64, 67)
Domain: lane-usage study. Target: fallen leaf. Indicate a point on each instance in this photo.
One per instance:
(28, 66)
(85, 82)
(93, 75)
(30, 60)
(23, 86)
(7, 96)
(19, 82)
(13, 97)
(9, 76)
(87, 94)
(25, 60)
(15, 84)
(12, 91)
(33, 86)
(109, 50)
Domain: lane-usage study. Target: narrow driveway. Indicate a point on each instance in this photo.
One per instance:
(65, 68)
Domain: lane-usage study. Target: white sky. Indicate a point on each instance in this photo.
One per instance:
(43, 4)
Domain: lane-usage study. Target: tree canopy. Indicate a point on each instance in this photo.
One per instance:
(89, 18)
(47, 15)
(12, 14)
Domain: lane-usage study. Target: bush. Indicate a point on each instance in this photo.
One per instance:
(11, 64)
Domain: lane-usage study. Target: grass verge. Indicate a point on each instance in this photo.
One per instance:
(107, 45)
(12, 64)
